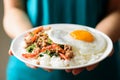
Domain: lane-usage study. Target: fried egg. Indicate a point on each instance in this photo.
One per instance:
(83, 41)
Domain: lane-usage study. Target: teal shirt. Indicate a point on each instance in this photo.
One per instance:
(83, 12)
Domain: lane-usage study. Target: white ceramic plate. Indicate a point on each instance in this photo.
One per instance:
(17, 47)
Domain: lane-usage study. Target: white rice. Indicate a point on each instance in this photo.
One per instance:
(79, 59)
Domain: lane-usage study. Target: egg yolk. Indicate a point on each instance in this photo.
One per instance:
(82, 35)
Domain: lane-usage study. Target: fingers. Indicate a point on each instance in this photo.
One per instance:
(31, 66)
(75, 71)
(49, 70)
(10, 53)
(35, 67)
(68, 70)
(111, 53)
(79, 70)
(89, 68)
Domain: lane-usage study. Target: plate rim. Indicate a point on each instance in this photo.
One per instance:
(72, 67)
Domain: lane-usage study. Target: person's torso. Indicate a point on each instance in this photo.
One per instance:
(84, 12)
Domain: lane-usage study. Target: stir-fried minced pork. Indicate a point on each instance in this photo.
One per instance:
(37, 42)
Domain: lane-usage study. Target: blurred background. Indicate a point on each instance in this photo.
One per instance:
(4, 45)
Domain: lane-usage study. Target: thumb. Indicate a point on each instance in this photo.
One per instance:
(111, 53)
(89, 68)
(10, 52)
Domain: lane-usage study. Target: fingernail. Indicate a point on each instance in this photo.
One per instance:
(49, 70)
(68, 71)
(75, 72)
(90, 69)
(34, 67)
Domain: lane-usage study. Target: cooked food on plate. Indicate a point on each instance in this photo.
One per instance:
(63, 47)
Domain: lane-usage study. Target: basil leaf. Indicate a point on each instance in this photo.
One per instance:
(41, 55)
(30, 48)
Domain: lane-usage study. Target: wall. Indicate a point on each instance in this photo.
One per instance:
(4, 46)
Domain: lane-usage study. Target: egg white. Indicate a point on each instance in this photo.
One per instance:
(62, 36)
